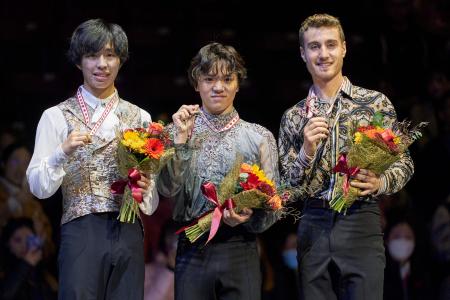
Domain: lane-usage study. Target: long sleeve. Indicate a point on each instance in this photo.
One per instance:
(293, 160)
(173, 176)
(263, 219)
(400, 172)
(45, 171)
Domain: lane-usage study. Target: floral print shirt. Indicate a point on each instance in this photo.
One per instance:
(315, 174)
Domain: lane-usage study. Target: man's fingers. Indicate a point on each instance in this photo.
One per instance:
(246, 211)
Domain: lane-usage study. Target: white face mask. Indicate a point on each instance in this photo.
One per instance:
(401, 249)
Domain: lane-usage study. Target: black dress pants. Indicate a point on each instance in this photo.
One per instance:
(341, 256)
(224, 269)
(101, 258)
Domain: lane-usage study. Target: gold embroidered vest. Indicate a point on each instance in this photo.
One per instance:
(91, 169)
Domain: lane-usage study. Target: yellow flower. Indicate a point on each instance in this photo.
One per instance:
(132, 140)
(261, 176)
(358, 137)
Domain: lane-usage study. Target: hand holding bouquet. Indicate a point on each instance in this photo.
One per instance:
(244, 186)
(140, 150)
(371, 147)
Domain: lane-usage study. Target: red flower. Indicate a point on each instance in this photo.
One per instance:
(365, 128)
(388, 142)
(387, 135)
(251, 183)
(266, 188)
(155, 128)
(154, 148)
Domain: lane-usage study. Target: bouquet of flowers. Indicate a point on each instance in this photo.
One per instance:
(140, 150)
(244, 186)
(371, 147)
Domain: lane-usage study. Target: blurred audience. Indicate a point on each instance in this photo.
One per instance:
(23, 272)
(159, 274)
(406, 276)
(286, 272)
(17, 200)
(440, 238)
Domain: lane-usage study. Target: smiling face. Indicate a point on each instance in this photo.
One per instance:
(323, 51)
(100, 71)
(218, 89)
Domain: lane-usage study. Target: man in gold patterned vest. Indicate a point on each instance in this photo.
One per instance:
(100, 257)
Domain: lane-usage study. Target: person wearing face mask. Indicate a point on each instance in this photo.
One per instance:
(23, 274)
(405, 276)
(286, 271)
(207, 141)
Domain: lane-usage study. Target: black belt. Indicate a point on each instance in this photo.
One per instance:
(321, 203)
(317, 203)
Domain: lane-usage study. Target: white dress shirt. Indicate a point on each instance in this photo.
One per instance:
(45, 172)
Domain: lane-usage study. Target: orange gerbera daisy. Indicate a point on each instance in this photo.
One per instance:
(154, 148)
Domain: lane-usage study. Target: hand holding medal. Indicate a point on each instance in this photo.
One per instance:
(183, 120)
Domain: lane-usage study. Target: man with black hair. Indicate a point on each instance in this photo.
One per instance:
(100, 257)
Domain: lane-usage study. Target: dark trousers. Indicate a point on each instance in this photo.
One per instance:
(341, 256)
(225, 270)
(101, 258)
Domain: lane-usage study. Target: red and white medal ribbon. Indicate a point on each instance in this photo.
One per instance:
(84, 110)
(228, 126)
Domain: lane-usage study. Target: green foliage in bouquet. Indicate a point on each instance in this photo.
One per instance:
(374, 148)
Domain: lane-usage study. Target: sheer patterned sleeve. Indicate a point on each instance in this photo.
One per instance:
(400, 172)
(262, 219)
(293, 160)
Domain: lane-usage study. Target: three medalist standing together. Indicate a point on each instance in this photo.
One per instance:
(102, 258)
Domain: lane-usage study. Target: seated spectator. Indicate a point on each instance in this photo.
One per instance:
(405, 277)
(23, 273)
(286, 272)
(440, 238)
(17, 200)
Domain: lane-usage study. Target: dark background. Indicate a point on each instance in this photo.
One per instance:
(399, 47)
(165, 35)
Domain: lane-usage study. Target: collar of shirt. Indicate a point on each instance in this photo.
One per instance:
(107, 129)
(97, 104)
(93, 101)
(314, 106)
(346, 88)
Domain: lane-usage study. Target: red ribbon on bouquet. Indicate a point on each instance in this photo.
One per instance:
(118, 187)
(209, 191)
(342, 167)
